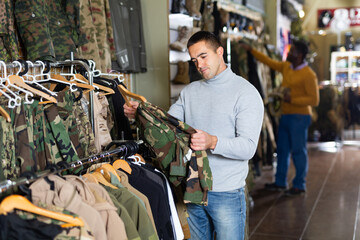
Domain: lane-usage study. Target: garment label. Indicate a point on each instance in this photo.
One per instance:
(187, 156)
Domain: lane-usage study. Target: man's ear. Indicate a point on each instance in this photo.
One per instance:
(220, 51)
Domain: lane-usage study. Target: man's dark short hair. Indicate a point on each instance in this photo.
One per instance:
(301, 46)
(204, 36)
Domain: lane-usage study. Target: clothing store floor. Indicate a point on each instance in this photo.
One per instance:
(330, 209)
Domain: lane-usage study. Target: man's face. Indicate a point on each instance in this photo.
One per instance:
(294, 55)
(207, 60)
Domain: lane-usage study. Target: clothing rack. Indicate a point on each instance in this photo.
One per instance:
(127, 149)
(64, 64)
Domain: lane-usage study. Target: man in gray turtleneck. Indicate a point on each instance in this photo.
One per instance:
(227, 113)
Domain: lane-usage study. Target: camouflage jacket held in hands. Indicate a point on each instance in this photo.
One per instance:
(170, 140)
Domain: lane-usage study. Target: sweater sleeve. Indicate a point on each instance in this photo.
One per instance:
(274, 64)
(177, 109)
(248, 125)
(312, 93)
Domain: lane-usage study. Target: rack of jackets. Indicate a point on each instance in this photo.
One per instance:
(55, 111)
(111, 200)
(50, 128)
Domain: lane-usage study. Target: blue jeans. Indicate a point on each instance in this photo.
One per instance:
(225, 214)
(292, 138)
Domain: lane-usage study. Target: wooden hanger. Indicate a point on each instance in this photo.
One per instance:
(4, 113)
(19, 202)
(106, 90)
(18, 81)
(102, 180)
(2, 211)
(122, 164)
(64, 80)
(106, 169)
(125, 93)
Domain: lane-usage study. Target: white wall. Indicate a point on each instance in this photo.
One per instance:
(154, 84)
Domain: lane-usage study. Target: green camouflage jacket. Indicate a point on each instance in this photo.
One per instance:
(49, 29)
(170, 140)
(8, 40)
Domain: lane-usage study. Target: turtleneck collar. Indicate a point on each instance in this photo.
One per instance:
(220, 77)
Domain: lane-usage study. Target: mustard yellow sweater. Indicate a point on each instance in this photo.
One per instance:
(302, 83)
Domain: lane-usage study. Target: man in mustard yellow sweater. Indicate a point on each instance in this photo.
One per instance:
(303, 92)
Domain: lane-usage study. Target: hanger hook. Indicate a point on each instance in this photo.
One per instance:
(20, 67)
(92, 65)
(42, 66)
(4, 66)
(30, 65)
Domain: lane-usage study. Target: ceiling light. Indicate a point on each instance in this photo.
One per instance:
(301, 13)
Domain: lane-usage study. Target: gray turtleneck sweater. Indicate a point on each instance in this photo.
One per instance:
(229, 107)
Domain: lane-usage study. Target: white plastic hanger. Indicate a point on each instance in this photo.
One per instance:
(72, 75)
(28, 78)
(47, 77)
(137, 160)
(98, 73)
(16, 99)
(17, 82)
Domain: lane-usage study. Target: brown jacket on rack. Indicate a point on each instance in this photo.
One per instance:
(94, 195)
(64, 194)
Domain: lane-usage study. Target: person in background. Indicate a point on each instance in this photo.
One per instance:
(227, 113)
(301, 93)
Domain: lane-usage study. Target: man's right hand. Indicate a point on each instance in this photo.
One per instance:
(131, 111)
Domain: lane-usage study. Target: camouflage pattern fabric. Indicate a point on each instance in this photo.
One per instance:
(73, 233)
(102, 132)
(61, 31)
(29, 120)
(49, 29)
(60, 134)
(86, 135)
(65, 103)
(32, 24)
(36, 137)
(10, 165)
(90, 49)
(98, 28)
(72, 10)
(24, 145)
(170, 140)
(104, 32)
(7, 151)
(8, 40)
(46, 148)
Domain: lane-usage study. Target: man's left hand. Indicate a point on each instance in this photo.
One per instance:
(287, 98)
(287, 95)
(202, 141)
